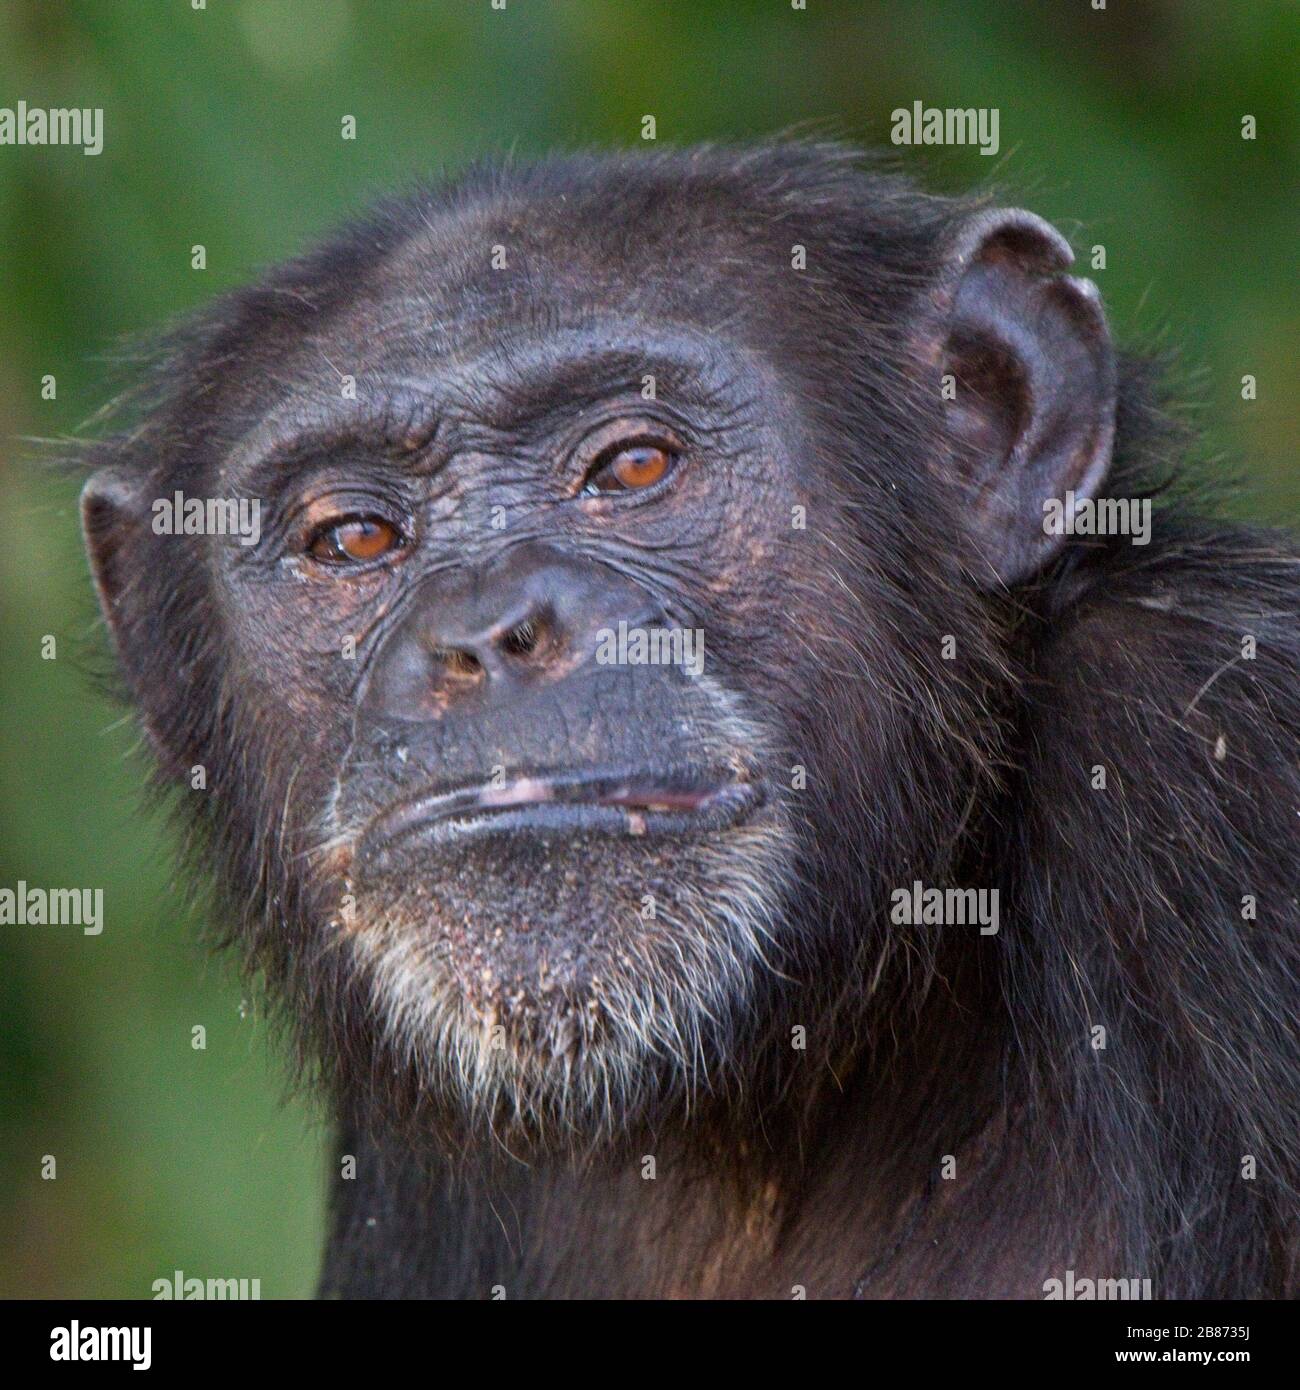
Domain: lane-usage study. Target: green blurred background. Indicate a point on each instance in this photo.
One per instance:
(222, 126)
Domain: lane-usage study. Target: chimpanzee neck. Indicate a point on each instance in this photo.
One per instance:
(852, 1199)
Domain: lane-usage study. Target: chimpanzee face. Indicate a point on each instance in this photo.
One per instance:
(555, 821)
(585, 636)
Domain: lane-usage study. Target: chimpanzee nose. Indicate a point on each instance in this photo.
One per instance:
(530, 617)
(496, 648)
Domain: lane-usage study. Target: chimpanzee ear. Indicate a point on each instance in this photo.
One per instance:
(1029, 385)
(115, 524)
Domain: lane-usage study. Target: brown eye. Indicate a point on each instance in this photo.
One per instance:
(354, 541)
(632, 467)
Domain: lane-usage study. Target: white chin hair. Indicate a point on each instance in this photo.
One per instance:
(576, 1063)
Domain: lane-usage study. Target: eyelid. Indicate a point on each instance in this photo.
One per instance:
(627, 430)
(634, 441)
(340, 486)
(625, 424)
(336, 502)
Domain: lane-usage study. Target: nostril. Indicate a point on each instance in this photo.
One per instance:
(458, 663)
(524, 638)
(521, 640)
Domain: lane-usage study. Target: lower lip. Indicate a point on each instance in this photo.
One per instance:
(691, 815)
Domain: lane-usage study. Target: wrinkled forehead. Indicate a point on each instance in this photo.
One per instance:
(510, 321)
(519, 278)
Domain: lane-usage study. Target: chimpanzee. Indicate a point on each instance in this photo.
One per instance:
(741, 758)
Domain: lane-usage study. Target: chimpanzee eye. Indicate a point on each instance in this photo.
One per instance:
(354, 540)
(630, 467)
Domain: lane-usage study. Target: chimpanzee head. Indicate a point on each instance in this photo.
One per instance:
(591, 674)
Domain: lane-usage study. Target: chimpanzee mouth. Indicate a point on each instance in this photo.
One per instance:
(639, 803)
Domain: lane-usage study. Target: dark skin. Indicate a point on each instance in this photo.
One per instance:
(536, 916)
